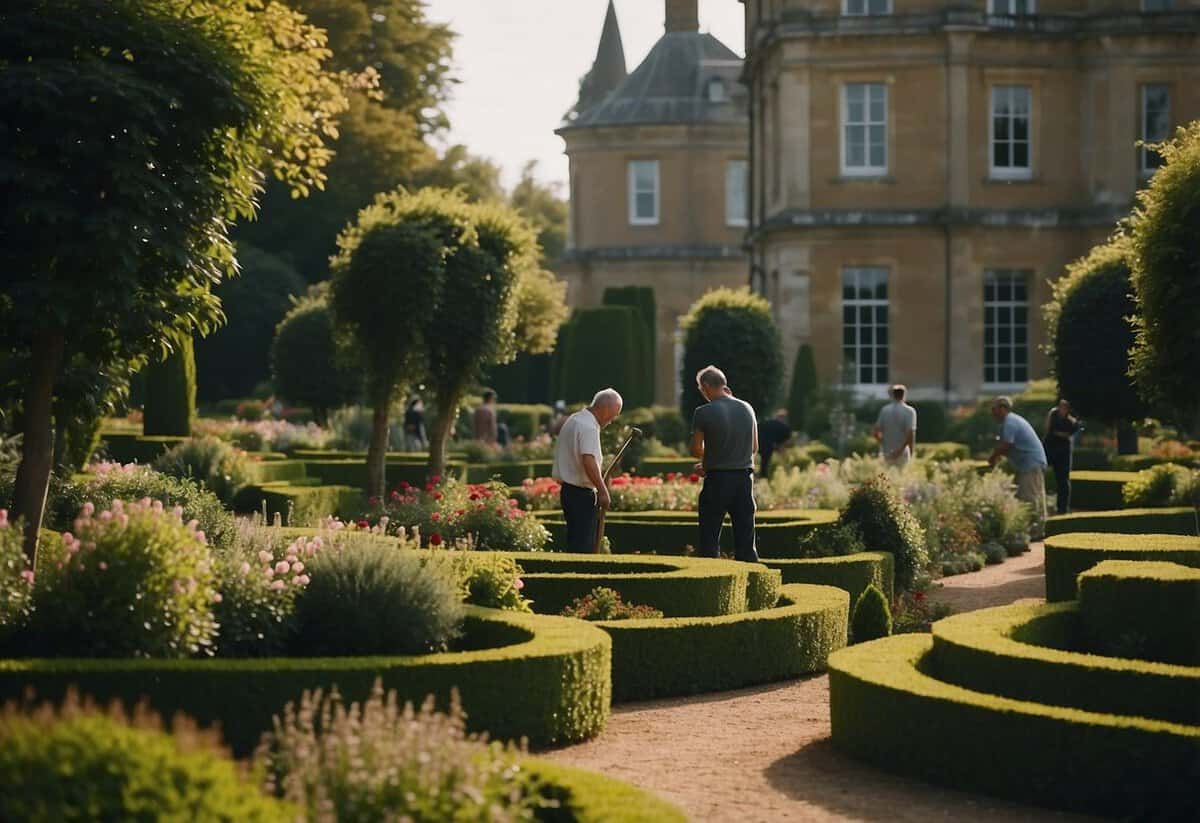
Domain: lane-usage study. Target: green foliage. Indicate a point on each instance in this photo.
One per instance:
(129, 581)
(1069, 555)
(851, 572)
(492, 581)
(1163, 485)
(588, 797)
(211, 462)
(1166, 279)
(1099, 489)
(542, 204)
(887, 524)
(933, 422)
(602, 347)
(642, 299)
(235, 358)
(171, 393)
(16, 578)
(373, 599)
(308, 366)
(1088, 323)
(832, 540)
(734, 331)
(1144, 610)
(413, 764)
(871, 618)
(803, 391)
(1179, 520)
(75, 765)
(603, 603)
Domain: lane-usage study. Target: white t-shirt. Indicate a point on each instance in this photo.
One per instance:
(580, 435)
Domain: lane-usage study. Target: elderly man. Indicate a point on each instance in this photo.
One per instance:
(577, 461)
(724, 440)
(1021, 445)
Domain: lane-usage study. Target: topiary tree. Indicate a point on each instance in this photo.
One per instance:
(1090, 337)
(308, 366)
(235, 358)
(642, 299)
(147, 127)
(171, 393)
(606, 346)
(733, 330)
(872, 617)
(1165, 240)
(888, 525)
(804, 387)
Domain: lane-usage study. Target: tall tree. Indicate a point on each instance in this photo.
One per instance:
(131, 133)
(542, 204)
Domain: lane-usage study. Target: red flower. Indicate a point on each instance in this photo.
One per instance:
(472, 496)
(404, 484)
(694, 478)
(437, 495)
(372, 501)
(435, 517)
(428, 487)
(918, 596)
(395, 496)
(437, 478)
(435, 539)
(670, 477)
(363, 524)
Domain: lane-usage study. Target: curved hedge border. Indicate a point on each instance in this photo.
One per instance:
(1126, 521)
(852, 572)
(886, 710)
(1146, 609)
(1015, 651)
(660, 658)
(1099, 489)
(679, 586)
(544, 678)
(587, 797)
(1069, 555)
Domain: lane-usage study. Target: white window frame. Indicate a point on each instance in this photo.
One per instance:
(1031, 8)
(737, 213)
(1144, 154)
(1010, 172)
(1011, 304)
(634, 218)
(857, 346)
(866, 9)
(866, 170)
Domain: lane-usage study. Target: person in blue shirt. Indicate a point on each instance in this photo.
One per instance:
(1021, 445)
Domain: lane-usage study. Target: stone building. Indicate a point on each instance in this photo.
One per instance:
(921, 169)
(658, 175)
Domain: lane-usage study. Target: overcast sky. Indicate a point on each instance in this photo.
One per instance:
(520, 62)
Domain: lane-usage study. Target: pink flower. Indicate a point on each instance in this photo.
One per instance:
(89, 508)
(302, 580)
(245, 568)
(297, 567)
(27, 576)
(282, 567)
(216, 598)
(264, 556)
(103, 566)
(519, 583)
(277, 585)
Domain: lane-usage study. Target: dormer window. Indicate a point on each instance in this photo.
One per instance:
(716, 91)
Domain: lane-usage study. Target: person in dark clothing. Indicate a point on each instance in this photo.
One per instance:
(1061, 427)
(414, 426)
(724, 440)
(772, 434)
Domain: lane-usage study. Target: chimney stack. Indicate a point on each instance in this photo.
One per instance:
(683, 15)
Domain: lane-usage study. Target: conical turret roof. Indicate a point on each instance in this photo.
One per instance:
(608, 71)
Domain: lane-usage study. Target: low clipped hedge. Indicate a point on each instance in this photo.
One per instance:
(1144, 609)
(1069, 555)
(127, 447)
(301, 505)
(679, 587)
(277, 471)
(1023, 652)
(587, 797)
(851, 572)
(690, 655)
(888, 710)
(1099, 490)
(1180, 520)
(514, 474)
(544, 678)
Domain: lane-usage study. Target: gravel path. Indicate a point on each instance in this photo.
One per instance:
(764, 753)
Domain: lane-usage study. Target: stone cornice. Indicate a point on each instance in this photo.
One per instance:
(664, 252)
(899, 218)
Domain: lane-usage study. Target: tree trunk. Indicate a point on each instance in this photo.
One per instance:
(37, 451)
(1127, 438)
(377, 453)
(447, 408)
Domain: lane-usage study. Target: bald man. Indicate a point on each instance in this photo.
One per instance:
(577, 461)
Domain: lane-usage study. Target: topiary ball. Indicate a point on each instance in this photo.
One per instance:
(872, 616)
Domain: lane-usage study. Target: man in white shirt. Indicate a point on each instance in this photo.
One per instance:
(896, 429)
(577, 461)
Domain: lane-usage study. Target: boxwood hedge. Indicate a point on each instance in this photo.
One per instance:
(1022, 652)
(852, 572)
(587, 797)
(672, 656)
(887, 709)
(1180, 520)
(301, 504)
(1099, 490)
(1069, 555)
(544, 678)
(1143, 609)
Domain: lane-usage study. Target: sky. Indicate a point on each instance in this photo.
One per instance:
(519, 63)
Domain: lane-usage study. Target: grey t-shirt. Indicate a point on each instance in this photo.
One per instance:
(895, 421)
(728, 427)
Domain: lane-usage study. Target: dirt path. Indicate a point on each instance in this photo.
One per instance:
(764, 754)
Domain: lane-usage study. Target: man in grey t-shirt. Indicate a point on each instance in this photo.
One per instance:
(896, 429)
(724, 439)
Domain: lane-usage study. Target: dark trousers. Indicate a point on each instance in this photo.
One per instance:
(579, 510)
(1061, 463)
(732, 493)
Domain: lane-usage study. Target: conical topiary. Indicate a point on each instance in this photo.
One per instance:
(872, 617)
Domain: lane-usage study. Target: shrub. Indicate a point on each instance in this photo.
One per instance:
(132, 580)
(915, 612)
(832, 540)
(447, 511)
(171, 393)
(932, 420)
(381, 761)
(492, 581)
(803, 391)
(214, 464)
(872, 618)
(373, 599)
(605, 346)
(306, 364)
(733, 330)
(1163, 485)
(642, 299)
(75, 764)
(994, 553)
(16, 578)
(888, 525)
(605, 604)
